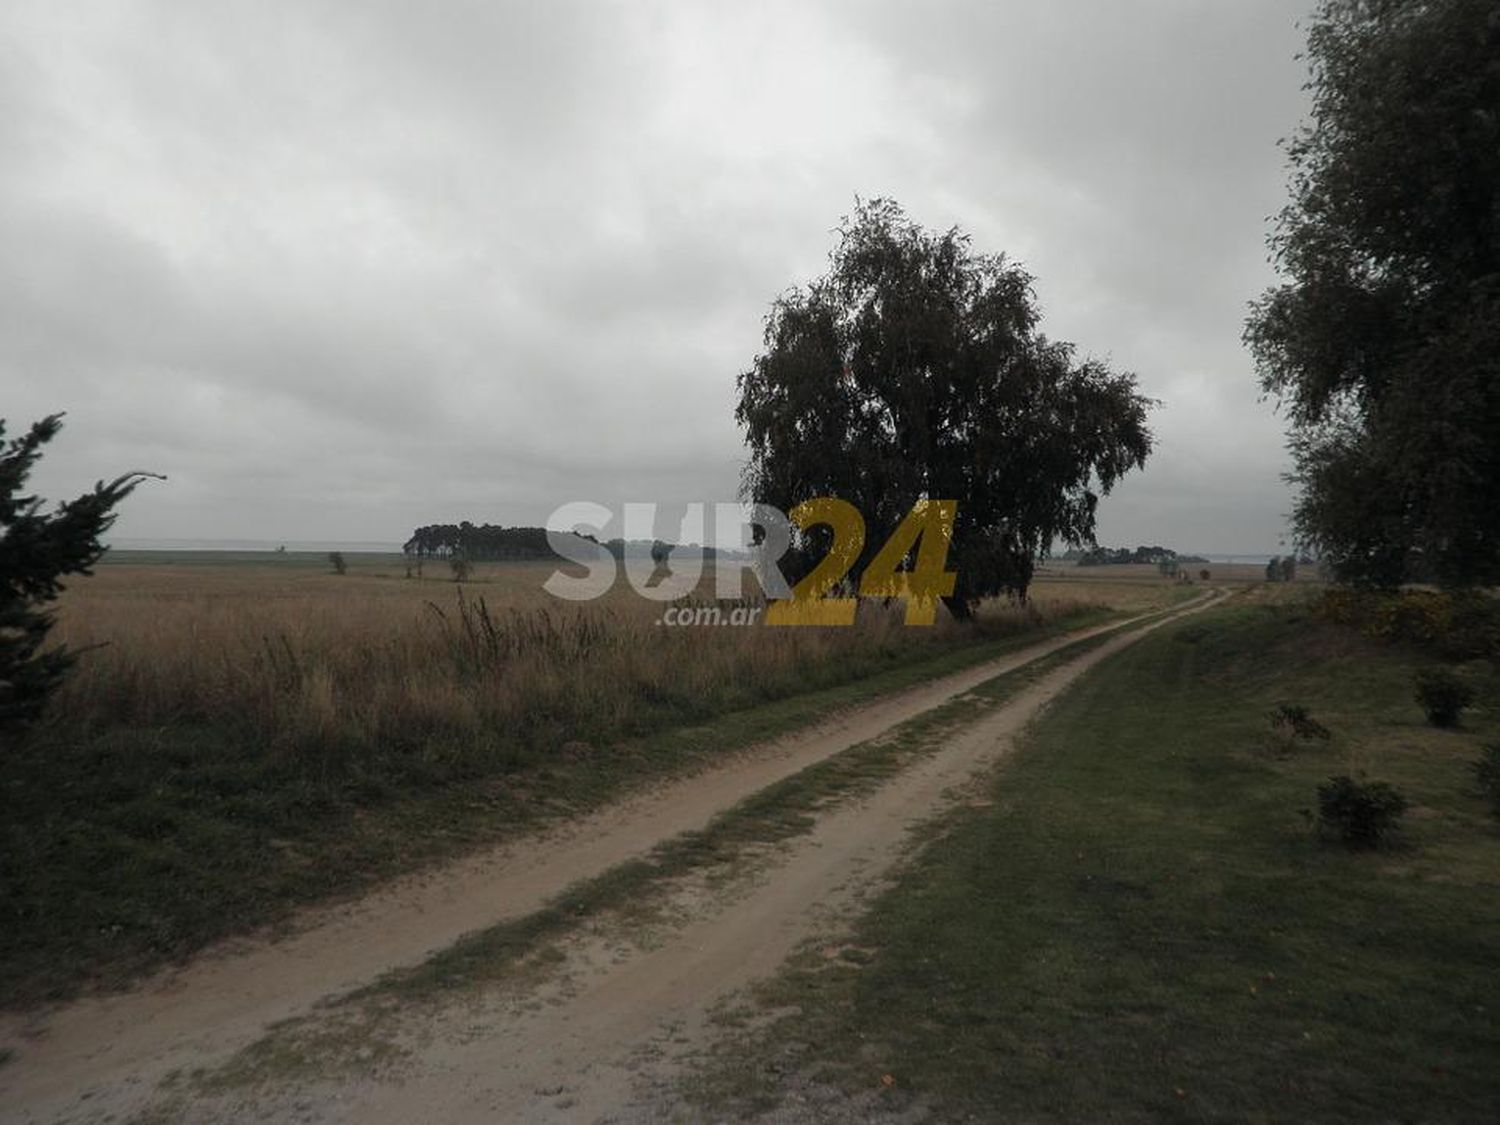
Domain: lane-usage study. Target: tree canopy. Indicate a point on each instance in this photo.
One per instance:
(1384, 341)
(36, 550)
(914, 370)
(479, 541)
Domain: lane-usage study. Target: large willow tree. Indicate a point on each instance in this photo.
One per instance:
(914, 370)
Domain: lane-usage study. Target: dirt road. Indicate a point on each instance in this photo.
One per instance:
(600, 1030)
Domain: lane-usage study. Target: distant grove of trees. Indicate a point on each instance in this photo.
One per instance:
(477, 542)
(1113, 556)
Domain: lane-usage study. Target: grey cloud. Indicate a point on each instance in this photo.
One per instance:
(338, 269)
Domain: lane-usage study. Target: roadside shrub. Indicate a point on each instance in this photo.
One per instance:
(1420, 617)
(1475, 630)
(1292, 720)
(1443, 696)
(1487, 773)
(1360, 814)
(1456, 626)
(1343, 606)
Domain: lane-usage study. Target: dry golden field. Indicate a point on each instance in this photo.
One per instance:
(305, 658)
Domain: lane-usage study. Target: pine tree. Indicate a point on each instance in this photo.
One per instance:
(36, 550)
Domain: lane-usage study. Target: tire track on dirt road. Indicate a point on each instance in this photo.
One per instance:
(107, 1055)
(607, 1043)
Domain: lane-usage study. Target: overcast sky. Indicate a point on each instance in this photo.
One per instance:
(339, 269)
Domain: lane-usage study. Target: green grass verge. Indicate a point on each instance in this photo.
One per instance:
(126, 849)
(1145, 926)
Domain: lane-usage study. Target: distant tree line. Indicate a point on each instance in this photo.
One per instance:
(477, 542)
(1119, 556)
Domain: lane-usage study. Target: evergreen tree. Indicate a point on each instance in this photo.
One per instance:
(36, 550)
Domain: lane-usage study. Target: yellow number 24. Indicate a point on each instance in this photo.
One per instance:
(928, 528)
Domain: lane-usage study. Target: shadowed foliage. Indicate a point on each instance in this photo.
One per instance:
(36, 550)
(914, 369)
(1383, 343)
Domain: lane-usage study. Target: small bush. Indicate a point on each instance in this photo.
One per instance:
(1362, 815)
(1294, 720)
(1443, 696)
(1475, 632)
(1487, 772)
(1456, 626)
(337, 561)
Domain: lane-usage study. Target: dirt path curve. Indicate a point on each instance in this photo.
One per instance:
(105, 1055)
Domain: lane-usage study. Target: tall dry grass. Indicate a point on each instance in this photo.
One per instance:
(313, 664)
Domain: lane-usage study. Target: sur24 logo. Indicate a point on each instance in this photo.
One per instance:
(755, 537)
